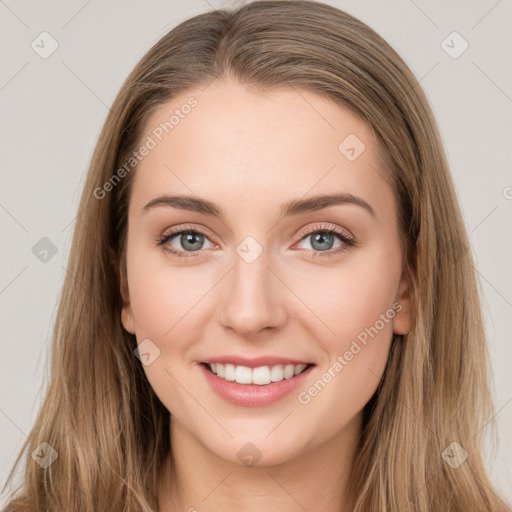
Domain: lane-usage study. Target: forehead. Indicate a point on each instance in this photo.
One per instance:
(247, 148)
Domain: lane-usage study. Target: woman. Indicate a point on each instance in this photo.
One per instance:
(270, 300)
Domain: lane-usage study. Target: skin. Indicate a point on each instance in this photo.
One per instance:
(251, 151)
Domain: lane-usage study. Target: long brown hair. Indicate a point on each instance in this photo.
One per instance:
(100, 415)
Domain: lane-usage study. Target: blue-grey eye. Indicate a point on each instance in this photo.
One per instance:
(322, 241)
(190, 240)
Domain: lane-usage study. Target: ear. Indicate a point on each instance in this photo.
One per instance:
(126, 313)
(402, 322)
(122, 282)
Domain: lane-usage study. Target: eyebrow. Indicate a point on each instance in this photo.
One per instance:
(294, 207)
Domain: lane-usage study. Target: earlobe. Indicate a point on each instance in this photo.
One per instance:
(402, 322)
(127, 320)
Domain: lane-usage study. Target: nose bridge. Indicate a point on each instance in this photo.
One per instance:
(252, 300)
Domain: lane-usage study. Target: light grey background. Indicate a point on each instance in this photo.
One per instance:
(52, 111)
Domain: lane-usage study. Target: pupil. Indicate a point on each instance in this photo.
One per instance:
(321, 237)
(192, 241)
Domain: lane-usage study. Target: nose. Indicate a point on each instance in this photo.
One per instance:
(254, 298)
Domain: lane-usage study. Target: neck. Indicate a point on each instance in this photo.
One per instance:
(316, 479)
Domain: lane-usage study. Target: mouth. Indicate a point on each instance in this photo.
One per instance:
(256, 385)
(261, 375)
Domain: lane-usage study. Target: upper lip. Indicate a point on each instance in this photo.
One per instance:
(255, 362)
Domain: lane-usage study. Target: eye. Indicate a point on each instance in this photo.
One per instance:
(184, 241)
(323, 237)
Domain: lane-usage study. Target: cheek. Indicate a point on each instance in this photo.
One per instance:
(167, 303)
(351, 299)
(356, 306)
(164, 297)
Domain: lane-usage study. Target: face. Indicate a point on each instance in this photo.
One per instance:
(261, 276)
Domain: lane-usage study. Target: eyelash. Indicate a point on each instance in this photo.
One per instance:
(348, 242)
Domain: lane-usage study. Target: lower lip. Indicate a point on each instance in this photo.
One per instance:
(253, 395)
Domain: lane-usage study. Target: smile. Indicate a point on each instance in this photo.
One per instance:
(262, 375)
(256, 385)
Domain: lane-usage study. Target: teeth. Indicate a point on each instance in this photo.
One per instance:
(243, 375)
(229, 373)
(261, 375)
(299, 369)
(276, 373)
